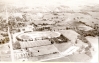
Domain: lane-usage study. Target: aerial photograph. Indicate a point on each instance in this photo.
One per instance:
(49, 30)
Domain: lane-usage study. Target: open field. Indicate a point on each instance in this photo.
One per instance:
(33, 35)
(71, 58)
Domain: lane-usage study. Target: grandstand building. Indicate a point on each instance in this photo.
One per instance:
(37, 43)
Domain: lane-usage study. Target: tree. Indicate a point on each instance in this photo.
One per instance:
(16, 45)
(88, 53)
(19, 30)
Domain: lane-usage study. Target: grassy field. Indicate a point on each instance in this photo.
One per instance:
(63, 46)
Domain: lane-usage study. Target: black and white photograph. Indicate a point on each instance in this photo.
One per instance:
(49, 30)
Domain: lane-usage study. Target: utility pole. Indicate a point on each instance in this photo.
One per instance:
(10, 39)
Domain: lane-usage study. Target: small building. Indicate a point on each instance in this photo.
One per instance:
(28, 28)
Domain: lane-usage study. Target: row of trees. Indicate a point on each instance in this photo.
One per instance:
(83, 39)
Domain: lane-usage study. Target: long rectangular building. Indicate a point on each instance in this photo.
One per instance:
(34, 43)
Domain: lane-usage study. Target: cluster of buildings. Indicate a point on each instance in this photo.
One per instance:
(37, 44)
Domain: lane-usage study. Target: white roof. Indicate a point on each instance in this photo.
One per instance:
(34, 43)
